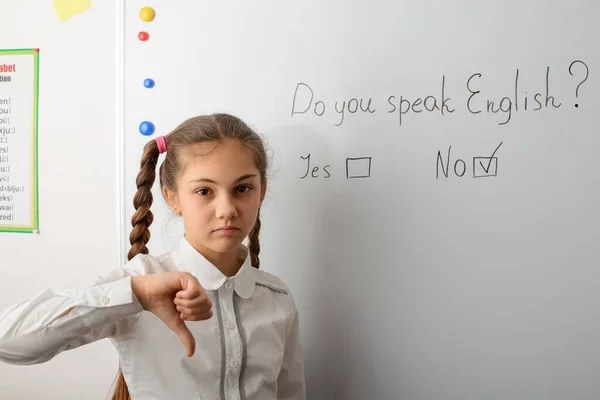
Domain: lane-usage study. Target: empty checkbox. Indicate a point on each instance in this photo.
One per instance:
(358, 167)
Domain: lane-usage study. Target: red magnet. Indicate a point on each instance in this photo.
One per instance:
(143, 36)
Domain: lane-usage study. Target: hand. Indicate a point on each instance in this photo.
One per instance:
(174, 297)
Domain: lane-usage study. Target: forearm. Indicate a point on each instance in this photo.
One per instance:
(35, 330)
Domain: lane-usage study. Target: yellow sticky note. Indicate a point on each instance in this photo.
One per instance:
(69, 8)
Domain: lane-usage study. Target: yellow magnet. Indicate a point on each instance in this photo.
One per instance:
(147, 14)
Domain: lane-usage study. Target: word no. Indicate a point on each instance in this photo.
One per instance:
(359, 167)
(482, 166)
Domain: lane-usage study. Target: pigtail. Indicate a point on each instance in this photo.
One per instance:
(142, 201)
(121, 390)
(254, 244)
(140, 234)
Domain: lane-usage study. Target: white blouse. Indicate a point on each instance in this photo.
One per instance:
(249, 349)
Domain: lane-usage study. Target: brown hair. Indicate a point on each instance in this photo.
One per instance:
(216, 127)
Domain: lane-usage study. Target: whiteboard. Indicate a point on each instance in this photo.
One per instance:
(434, 180)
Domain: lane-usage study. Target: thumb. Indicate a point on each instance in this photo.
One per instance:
(188, 287)
(186, 337)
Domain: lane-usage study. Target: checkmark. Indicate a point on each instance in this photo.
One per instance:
(486, 166)
(487, 169)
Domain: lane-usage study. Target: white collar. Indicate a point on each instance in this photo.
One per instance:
(188, 259)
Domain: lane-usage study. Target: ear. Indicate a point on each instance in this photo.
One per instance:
(263, 191)
(172, 200)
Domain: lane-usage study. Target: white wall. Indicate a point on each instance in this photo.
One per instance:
(77, 158)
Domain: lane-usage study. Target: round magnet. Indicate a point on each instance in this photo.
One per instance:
(146, 128)
(147, 14)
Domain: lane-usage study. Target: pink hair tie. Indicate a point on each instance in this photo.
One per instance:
(161, 144)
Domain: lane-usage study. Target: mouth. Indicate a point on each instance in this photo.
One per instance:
(227, 229)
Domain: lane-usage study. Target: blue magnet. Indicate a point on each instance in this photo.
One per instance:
(146, 128)
(148, 83)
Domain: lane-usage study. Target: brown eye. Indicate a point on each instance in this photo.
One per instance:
(243, 189)
(203, 192)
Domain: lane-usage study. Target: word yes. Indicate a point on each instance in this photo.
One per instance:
(315, 170)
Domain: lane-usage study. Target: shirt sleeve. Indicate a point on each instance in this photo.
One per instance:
(35, 330)
(291, 383)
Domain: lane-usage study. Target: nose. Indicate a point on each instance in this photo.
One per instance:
(226, 208)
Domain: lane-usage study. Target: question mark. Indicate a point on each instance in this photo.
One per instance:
(587, 73)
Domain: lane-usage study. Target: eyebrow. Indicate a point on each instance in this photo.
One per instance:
(241, 178)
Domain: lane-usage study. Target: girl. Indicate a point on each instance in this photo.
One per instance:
(237, 324)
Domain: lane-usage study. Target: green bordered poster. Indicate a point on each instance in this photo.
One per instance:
(19, 74)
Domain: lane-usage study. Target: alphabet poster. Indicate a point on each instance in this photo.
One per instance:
(19, 73)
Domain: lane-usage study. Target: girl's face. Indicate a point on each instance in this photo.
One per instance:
(218, 194)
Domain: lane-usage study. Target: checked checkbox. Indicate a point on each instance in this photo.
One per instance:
(358, 167)
(486, 166)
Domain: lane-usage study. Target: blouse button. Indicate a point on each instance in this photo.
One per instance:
(228, 285)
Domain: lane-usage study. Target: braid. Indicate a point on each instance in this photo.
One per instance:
(254, 245)
(143, 217)
(140, 234)
(121, 390)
